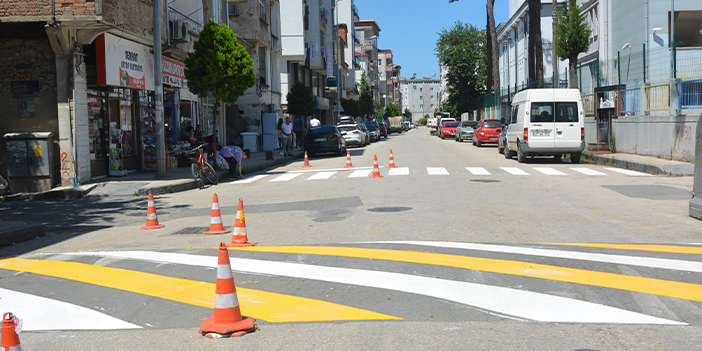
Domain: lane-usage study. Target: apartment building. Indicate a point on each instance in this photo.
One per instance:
(368, 31)
(348, 16)
(420, 96)
(389, 74)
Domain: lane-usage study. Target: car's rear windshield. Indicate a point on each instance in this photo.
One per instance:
(492, 124)
(347, 129)
(543, 112)
(323, 130)
(471, 124)
(451, 125)
(371, 126)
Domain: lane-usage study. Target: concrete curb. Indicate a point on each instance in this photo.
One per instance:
(57, 194)
(679, 170)
(16, 232)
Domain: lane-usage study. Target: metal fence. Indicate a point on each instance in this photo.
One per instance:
(630, 100)
(589, 104)
(689, 94)
(657, 97)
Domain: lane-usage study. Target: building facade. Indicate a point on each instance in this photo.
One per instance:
(369, 31)
(420, 96)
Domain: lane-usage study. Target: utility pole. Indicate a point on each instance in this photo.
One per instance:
(158, 98)
(338, 63)
(553, 44)
(672, 39)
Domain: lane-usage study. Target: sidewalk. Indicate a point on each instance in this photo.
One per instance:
(647, 164)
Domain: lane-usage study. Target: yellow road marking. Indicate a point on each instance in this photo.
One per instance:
(638, 247)
(661, 287)
(268, 306)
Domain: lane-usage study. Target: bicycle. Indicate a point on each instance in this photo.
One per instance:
(201, 169)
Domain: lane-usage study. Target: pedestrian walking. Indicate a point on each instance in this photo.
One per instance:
(233, 156)
(314, 123)
(287, 128)
(281, 136)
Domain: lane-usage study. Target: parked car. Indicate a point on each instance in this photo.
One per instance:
(347, 120)
(432, 124)
(383, 129)
(373, 129)
(501, 140)
(487, 132)
(352, 134)
(324, 139)
(465, 130)
(444, 121)
(413, 126)
(365, 130)
(405, 126)
(449, 129)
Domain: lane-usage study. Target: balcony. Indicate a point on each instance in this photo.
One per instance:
(323, 17)
(355, 11)
(193, 26)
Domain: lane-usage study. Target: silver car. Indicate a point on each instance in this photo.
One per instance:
(465, 130)
(353, 135)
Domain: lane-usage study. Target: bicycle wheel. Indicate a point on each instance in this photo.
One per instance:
(197, 174)
(210, 173)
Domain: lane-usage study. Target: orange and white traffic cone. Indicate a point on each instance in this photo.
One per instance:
(151, 217)
(392, 161)
(376, 170)
(10, 340)
(227, 320)
(307, 162)
(348, 159)
(216, 226)
(239, 238)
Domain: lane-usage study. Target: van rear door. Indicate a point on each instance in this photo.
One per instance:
(567, 124)
(541, 125)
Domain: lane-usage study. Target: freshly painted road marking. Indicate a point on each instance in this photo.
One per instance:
(399, 171)
(548, 171)
(322, 175)
(249, 179)
(587, 171)
(437, 171)
(649, 262)
(638, 247)
(361, 173)
(40, 314)
(263, 305)
(478, 171)
(628, 172)
(286, 177)
(330, 169)
(680, 290)
(511, 302)
(514, 171)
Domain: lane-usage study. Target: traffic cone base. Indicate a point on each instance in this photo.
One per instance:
(9, 340)
(307, 162)
(216, 226)
(213, 330)
(392, 161)
(348, 160)
(239, 238)
(376, 170)
(151, 217)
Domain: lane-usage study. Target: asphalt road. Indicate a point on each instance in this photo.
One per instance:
(459, 248)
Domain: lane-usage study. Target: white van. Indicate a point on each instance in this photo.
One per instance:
(546, 122)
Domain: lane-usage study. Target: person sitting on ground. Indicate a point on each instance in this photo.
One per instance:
(233, 156)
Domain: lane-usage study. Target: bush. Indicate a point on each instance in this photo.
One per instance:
(422, 122)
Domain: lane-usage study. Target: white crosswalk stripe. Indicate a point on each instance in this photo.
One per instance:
(514, 171)
(588, 171)
(399, 171)
(437, 171)
(249, 179)
(628, 172)
(548, 171)
(360, 173)
(286, 177)
(322, 175)
(478, 170)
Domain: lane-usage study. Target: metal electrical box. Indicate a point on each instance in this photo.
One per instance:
(29, 161)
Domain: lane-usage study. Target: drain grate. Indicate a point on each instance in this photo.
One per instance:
(389, 209)
(191, 230)
(485, 180)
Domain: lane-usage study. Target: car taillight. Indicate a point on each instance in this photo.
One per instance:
(582, 133)
(526, 134)
(356, 132)
(335, 138)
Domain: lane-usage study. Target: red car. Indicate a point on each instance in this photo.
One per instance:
(449, 129)
(487, 131)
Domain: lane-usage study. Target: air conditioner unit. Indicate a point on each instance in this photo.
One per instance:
(179, 31)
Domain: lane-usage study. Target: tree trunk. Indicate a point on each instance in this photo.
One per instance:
(488, 54)
(573, 72)
(536, 57)
(493, 38)
(215, 118)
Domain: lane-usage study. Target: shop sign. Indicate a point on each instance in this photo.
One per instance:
(173, 72)
(24, 87)
(124, 63)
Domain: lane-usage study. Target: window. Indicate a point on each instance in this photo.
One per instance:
(215, 6)
(231, 10)
(432, 105)
(421, 107)
(262, 10)
(421, 97)
(262, 71)
(432, 97)
(432, 90)
(420, 90)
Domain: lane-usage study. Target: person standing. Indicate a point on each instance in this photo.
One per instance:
(281, 136)
(314, 123)
(299, 129)
(287, 131)
(233, 156)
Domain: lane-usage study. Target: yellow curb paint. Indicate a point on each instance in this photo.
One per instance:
(660, 287)
(267, 306)
(638, 247)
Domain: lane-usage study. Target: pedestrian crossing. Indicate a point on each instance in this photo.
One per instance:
(325, 174)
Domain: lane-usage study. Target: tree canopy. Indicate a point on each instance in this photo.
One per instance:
(461, 51)
(365, 99)
(408, 113)
(382, 113)
(350, 107)
(219, 65)
(301, 102)
(572, 37)
(392, 110)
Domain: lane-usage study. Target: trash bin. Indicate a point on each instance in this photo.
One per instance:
(30, 166)
(250, 141)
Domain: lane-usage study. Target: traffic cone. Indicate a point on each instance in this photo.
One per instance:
(307, 162)
(10, 340)
(348, 159)
(392, 161)
(227, 320)
(239, 238)
(151, 217)
(376, 170)
(216, 226)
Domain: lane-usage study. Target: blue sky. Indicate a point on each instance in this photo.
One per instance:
(409, 27)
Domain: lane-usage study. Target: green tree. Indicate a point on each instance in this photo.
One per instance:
(350, 107)
(219, 65)
(422, 122)
(381, 114)
(301, 102)
(408, 113)
(461, 51)
(572, 37)
(393, 110)
(365, 99)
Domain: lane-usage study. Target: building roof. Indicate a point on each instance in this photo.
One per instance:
(367, 23)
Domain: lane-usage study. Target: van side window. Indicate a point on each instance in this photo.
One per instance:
(513, 117)
(541, 112)
(567, 112)
(517, 111)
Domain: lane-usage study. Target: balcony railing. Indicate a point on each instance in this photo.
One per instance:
(355, 10)
(689, 94)
(657, 97)
(193, 26)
